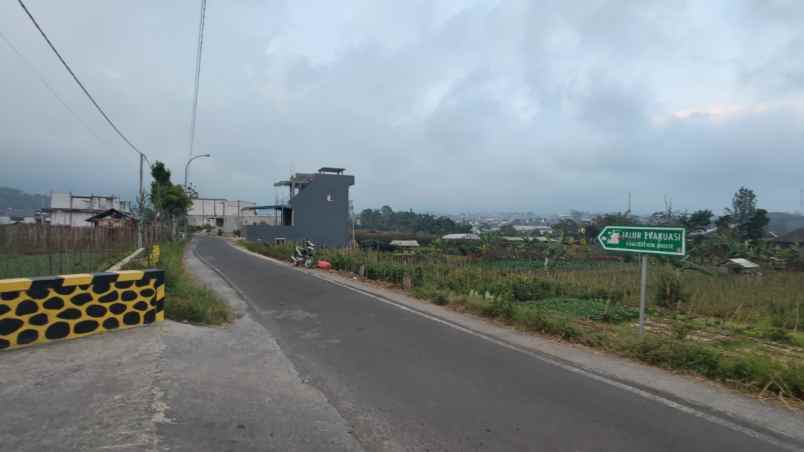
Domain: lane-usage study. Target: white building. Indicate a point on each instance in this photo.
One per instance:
(224, 214)
(469, 236)
(67, 209)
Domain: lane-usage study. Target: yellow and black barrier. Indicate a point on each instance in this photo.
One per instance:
(36, 310)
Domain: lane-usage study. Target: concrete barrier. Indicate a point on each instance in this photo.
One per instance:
(36, 310)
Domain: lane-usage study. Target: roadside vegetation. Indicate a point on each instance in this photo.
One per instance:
(745, 331)
(186, 298)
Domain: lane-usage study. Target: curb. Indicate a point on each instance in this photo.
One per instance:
(125, 260)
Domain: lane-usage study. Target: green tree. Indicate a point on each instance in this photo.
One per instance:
(698, 220)
(755, 228)
(170, 201)
(749, 221)
(743, 206)
(508, 230)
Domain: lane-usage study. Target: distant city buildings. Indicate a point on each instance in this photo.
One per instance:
(68, 209)
(223, 214)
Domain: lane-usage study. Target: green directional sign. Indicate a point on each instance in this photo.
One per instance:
(646, 240)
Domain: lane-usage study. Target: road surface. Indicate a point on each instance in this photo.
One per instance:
(405, 382)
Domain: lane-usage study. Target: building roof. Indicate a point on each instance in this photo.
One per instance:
(741, 262)
(405, 243)
(329, 169)
(461, 237)
(272, 207)
(513, 239)
(111, 213)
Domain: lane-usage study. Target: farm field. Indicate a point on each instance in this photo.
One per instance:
(743, 330)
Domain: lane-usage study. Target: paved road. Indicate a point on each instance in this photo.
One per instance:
(408, 383)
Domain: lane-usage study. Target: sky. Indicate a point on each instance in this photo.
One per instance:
(442, 106)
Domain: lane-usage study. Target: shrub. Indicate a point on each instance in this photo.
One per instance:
(778, 335)
(440, 299)
(502, 308)
(532, 289)
(669, 291)
(681, 329)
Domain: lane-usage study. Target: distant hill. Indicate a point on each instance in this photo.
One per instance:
(783, 222)
(15, 202)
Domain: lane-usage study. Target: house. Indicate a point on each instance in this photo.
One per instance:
(739, 265)
(67, 209)
(468, 236)
(513, 239)
(530, 229)
(404, 243)
(223, 214)
(112, 218)
(317, 210)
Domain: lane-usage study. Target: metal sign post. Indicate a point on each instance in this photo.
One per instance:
(644, 241)
(643, 285)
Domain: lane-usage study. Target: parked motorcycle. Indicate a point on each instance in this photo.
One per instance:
(304, 255)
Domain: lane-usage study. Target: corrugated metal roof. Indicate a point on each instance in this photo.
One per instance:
(461, 237)
(744, 263)
(405, 243)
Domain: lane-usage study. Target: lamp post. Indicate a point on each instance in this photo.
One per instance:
(188, 165)
(186, 187)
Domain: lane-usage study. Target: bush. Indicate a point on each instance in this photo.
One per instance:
(532, 289)
(502, 308)
(778, 335)
(681, 329)
(669, 291)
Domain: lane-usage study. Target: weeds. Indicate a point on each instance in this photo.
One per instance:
(186, 299)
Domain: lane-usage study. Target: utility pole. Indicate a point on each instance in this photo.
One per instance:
(142, 201)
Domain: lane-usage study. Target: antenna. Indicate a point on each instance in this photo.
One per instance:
(801, 202)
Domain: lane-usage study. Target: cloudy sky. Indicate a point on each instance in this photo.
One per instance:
(445, 106)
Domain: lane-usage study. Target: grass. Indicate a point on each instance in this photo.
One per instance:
(743, 331)
(26, 266)
(186, 298)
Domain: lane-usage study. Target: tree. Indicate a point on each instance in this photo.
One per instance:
(743, 206)
(508, 230)
(698, 220)
(755, 228)
(749, 222)
(170, 201)
(385, 219)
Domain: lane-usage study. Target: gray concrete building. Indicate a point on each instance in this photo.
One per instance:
(317, 210)
(227, 215)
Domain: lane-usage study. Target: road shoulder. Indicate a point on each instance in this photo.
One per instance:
(688, 393)
(232, 388)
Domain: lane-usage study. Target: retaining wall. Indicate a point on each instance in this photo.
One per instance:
(36, 310)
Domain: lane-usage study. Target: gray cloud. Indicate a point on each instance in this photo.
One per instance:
(447, 106)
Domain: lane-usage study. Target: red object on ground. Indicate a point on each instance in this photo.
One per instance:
(324, 265)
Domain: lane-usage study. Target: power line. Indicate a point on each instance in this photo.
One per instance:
(197, 74)
(50, 87)
(81, 85)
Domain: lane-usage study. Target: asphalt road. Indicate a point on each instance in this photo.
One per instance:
(405, 382)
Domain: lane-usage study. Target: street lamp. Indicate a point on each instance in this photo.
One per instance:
(188, 165)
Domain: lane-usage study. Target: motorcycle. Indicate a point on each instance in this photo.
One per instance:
(304, 255)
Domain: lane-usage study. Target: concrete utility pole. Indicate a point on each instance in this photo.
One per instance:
(142, 201)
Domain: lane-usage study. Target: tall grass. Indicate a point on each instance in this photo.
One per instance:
(186, 298)
(773, 297)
